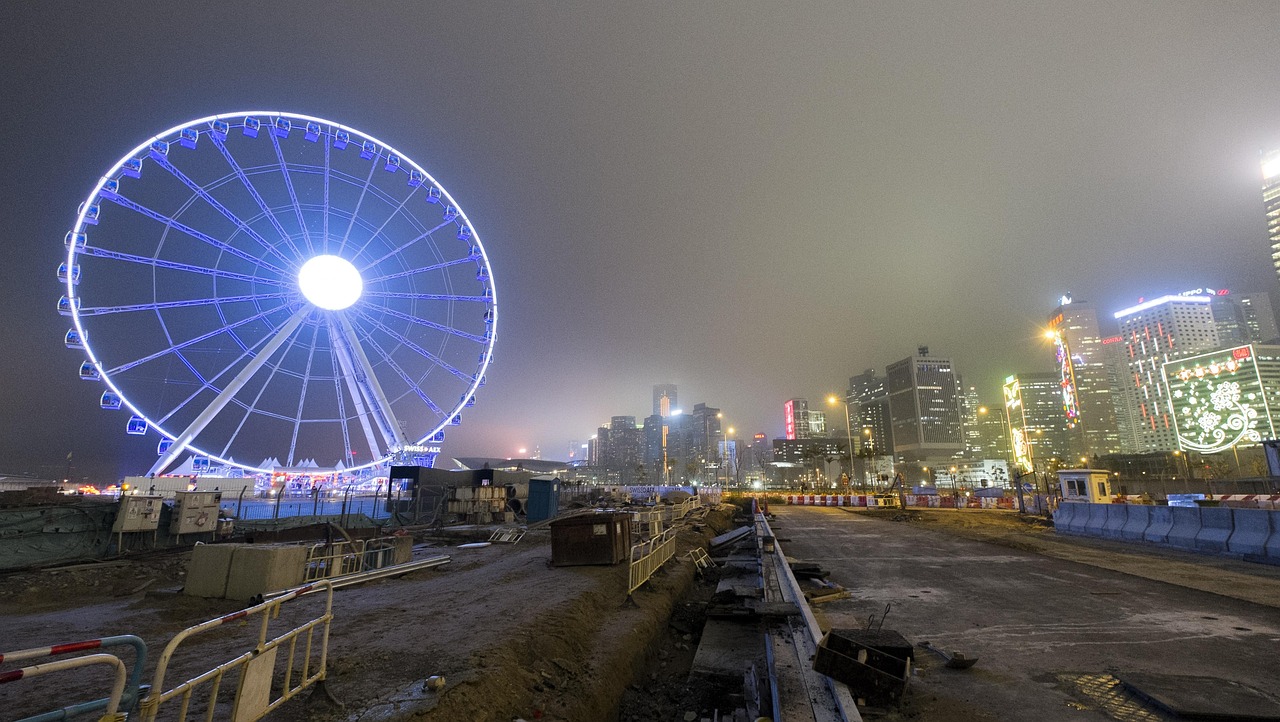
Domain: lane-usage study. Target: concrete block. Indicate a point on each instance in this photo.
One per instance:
(1135, 526)
(1064, 517)
(1186, 526)
(1097, 520)
(257, 569)
(1160, 524)
(404, 550)
(1251, 528)
(1215, 529)
(208, 570)
(1116, 517)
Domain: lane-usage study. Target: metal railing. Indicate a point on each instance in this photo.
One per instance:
(648, 522)
(648, 557)
(124, 689)
(332, 559)
(254, 693)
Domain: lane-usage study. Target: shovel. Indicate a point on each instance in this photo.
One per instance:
(954, 660)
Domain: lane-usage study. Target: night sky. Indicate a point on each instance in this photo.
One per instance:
(750, 200)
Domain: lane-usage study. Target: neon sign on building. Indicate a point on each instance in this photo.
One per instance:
(789, 424)
(1067, 375)
(1013, 410)
(1218, 401)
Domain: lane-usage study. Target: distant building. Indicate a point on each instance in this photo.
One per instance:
(664, 399)
(1087, 382)
(868, 398)
(924, 406)
(1154, 332)
(1046, 427)
(799, 422)
(1271, 204)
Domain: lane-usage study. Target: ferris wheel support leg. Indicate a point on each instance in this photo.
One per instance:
(202, 420)
(367, 380)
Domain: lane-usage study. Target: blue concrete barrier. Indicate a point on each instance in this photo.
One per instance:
(1064, 516)
(1097, 519)
(1116, 516)
(1251, 530)
(1272, 550)
(1215, 529)
(1160, 524)
(1186, 526)
(1135, 525)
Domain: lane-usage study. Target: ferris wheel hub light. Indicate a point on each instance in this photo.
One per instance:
(330, 282)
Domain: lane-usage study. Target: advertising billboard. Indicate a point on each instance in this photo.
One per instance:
(1217, 400)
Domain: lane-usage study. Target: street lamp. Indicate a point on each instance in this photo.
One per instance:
(832, 400)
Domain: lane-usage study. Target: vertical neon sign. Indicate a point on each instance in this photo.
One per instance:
(789, 424)
(1018, 442)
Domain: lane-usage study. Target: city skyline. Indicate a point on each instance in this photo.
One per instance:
(752, 211)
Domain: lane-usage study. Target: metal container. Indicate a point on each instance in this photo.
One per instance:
(599, 538)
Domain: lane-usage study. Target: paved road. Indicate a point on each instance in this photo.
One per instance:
(1049, 632)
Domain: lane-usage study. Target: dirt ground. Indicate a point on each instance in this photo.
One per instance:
(512, 636)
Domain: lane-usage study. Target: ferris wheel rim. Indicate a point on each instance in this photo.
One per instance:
(115, 171)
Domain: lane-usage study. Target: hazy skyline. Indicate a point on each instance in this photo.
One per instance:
(752, 201)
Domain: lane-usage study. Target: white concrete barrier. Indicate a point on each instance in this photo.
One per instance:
(1135, 526)
(1116, 516)
(1250, 532)
(1186, 526)
(1215, 529)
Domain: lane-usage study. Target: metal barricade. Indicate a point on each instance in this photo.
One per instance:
(647, 557)
(334, 559)
(253, 696)
(648, 523)
(124, 691)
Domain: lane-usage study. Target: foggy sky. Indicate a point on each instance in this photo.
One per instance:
(753, 201)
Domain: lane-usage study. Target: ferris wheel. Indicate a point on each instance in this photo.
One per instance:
(269, 289)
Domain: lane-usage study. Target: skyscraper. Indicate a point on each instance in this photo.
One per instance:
(1154, 332)
(1046, 427)
(924, 405)
(1271, 204)
(1095, 428)
(868, 398)
(664, 399)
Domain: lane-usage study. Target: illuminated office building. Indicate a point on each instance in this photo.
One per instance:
(924, 405)
(1271, 204)
(1086, 384)
(1154, 332)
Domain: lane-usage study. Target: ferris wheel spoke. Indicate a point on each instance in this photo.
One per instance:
(343, 357)
(355, 212)
(404, 376)
(96, 252)
(219, 207)
(251, 407)
(432, 324)
(104, 310)
(429, 296)
(179, 226)
(302, 395)
(421, 237)
(342, 410)
(422, 269)
(391, 216)
(191, 342)
(324, 238)
(202, 420)
(293, 195)
(367, 380)
(257, 197)
(418, 349)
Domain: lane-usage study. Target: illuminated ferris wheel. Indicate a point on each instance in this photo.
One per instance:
(269, 289)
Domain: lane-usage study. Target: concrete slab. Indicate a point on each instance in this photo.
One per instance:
(1202, 697)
